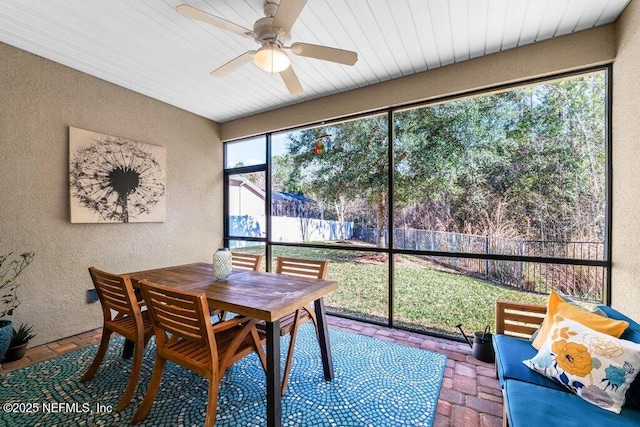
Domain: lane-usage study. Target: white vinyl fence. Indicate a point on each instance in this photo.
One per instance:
(290, 229)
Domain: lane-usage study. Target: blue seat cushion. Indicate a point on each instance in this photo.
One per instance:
(632, 333)
(632, 398)
(510, 352)
(529, 404)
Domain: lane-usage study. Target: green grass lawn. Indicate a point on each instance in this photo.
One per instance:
(439, 299)
(427, 296)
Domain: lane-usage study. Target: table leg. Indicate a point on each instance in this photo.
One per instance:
(274, 404)
(127, 350)
(323, 339)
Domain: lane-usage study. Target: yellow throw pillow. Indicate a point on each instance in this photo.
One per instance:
(552, 309)
(556, 305)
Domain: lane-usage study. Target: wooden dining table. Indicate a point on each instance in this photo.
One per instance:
(262, 296)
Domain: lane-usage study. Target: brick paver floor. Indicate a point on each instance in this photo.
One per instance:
(470, 395)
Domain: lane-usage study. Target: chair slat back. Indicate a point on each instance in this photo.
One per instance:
(518, 319)
(180, 313)
(302, 267)
(114, 291)
(246, 261)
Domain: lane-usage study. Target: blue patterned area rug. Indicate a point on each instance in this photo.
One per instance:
(377, 383)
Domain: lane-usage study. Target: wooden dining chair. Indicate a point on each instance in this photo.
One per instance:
(185, 336)
(289, 324)
(121, 314)
(246, 261)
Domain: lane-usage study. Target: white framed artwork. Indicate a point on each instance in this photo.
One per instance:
(115, 180)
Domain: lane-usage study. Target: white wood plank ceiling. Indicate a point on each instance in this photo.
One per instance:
(146, 46)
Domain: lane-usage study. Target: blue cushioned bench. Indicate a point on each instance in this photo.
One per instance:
(530, 399)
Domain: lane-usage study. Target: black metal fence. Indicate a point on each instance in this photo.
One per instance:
(584, 282)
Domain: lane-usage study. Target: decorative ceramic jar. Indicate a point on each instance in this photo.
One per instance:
(222, 264)
(6, 329)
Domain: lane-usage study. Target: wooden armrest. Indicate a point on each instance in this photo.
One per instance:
(518, 319)
(231, 323)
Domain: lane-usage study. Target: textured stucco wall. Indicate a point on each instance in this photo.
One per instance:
(625, 251)
(39, 100)
(572, 52)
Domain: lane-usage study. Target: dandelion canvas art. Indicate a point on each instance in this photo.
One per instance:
(115, 179)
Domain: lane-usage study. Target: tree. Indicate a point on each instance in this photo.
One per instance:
(354, 167)
(537, 153)
(528, 162)
(285, 176)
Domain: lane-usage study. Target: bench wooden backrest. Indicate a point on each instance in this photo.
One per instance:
(518, 319)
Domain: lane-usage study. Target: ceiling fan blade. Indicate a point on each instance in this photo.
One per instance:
(291, 81)
(233, 64)
(287, 13)
(325, 53)
(198, 15)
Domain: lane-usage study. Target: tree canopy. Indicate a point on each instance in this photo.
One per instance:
(528, 162)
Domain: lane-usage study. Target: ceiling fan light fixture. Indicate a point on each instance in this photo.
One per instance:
(271, 59)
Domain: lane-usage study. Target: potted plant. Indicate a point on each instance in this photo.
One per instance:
(19, 341)
(9, 272)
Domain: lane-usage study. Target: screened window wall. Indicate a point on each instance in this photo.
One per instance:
(431, 213)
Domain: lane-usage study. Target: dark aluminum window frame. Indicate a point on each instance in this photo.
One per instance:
(390, 250)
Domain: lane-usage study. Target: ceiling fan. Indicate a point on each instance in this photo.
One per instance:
(273, 34)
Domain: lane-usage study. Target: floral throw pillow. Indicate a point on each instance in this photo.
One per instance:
(597, 367)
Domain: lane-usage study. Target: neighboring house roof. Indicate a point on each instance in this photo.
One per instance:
(241, 182)
(291, 197)
(275, 195)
